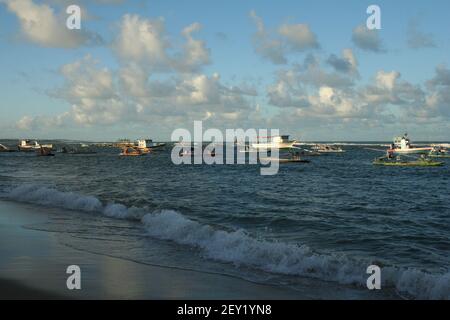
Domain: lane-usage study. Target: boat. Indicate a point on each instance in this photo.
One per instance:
(438, 152)
(28, 145)
(247, 149)
(81, 150)
(273, 142)
(402, 145)
(397, 161)
(187, 151)
(326, 148)
(133, 152)
(286, 160)
(148, 144)
(5, 148)
(123, 143)
(44, 152)
(293, 158)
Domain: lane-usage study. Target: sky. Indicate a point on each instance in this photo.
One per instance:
(141, 69)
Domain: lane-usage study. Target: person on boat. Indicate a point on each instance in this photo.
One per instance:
(390, 154)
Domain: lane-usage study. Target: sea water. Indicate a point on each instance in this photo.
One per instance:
(312, 227)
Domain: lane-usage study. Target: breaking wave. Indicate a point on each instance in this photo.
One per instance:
(242, 249)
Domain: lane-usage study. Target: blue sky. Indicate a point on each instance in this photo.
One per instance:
(221, 71)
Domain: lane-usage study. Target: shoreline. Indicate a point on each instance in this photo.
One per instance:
(33, 265)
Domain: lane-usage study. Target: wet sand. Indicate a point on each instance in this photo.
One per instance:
(33, 266)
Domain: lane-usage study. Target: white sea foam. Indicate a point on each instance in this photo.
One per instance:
(242, 249)
(52, 197)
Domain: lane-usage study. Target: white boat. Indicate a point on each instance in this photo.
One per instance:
(402, 145)
(273, 142)
(325, 148)
(28, 145)
(145, 144)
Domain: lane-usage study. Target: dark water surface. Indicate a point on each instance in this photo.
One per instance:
(318, 224)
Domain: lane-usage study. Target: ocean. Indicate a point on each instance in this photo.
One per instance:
(313, 227)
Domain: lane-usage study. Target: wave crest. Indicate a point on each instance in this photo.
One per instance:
(241, 249)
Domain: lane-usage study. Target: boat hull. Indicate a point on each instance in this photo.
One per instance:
(412, 150)
(280, 160)
(269, 146)
(439, 155)
(418, 163)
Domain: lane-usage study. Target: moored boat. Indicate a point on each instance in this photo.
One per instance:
(5, 148)
(273, 142)
(28, 145)
(133, 152)
(148, 144)
(44, 151)
(402, 145)
(326, 148)
(420, 162)
(439, 152)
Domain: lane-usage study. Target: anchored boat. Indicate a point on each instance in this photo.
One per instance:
(148, 144)
(325, 148)
(5, 149)
(273, 142)
(44, 152)
(438, 152)
(28, 145)
(402, 145)
(133, 152)
(420, 162)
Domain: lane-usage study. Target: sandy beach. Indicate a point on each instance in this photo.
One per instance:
(33, 265)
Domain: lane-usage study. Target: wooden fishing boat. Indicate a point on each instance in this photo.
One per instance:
(133, 152)
(420, 162)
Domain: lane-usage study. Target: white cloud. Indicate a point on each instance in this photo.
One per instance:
(195, 54)
(387, 79)
(131, 95)
(266, 45)
(25, 123)
(144, 41)
(39, 24)
(298, 36)
(309, 94)
(288, 38)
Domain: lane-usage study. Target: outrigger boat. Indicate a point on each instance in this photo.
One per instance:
(391, 160)
(84, 149)
(398, 161)
(438, 152)
(5, 149)
(133, 152)
(27, 146)
(293, 158)
(286, 160)
(402, 145)
(325, 148)
(44, 152)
